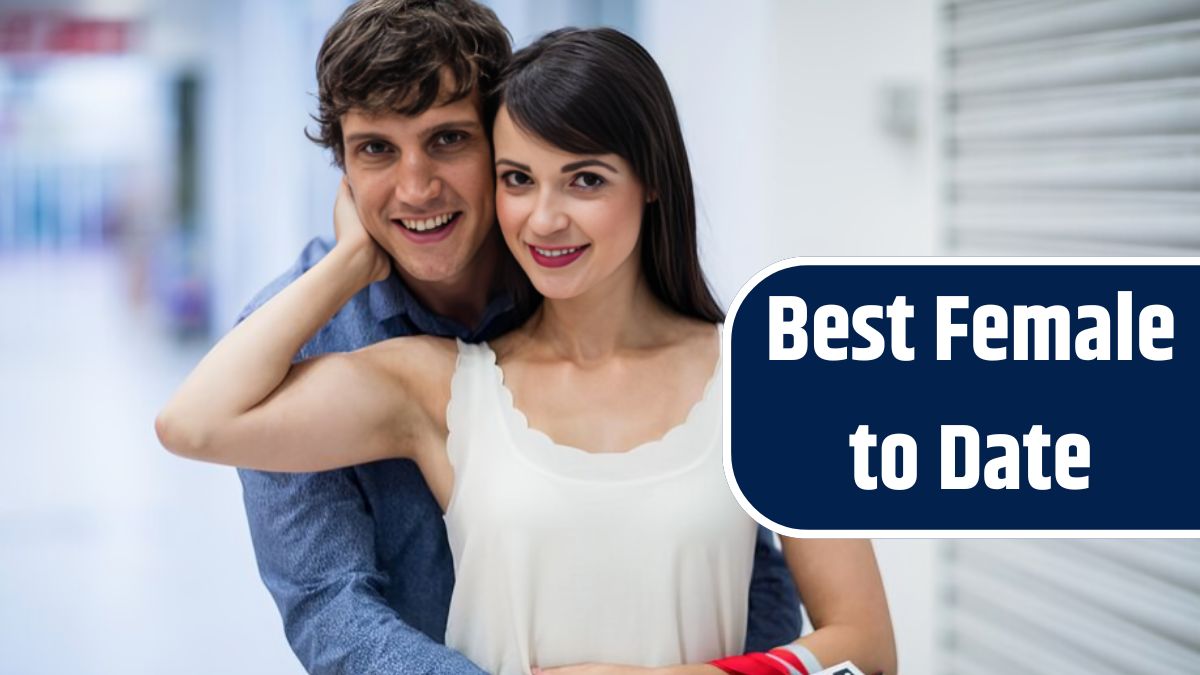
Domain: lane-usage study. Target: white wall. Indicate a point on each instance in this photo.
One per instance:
(855, 189)
(719, 68)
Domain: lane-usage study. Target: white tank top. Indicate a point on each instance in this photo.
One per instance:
(563, 556)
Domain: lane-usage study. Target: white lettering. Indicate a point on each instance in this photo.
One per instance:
(862, 440)
(951, 480)
(908, 446)
(779, 328)
(946, 328)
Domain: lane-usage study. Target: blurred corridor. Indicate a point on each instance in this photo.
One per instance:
(114, 556)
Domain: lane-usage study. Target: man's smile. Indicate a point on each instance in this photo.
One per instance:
(430, 229)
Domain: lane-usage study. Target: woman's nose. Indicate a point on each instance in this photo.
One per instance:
(548, 217)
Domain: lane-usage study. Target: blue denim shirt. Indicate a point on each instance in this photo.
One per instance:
(357, 559)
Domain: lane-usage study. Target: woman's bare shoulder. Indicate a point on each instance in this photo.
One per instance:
(416, 345)
(695, 336)
(423, 361)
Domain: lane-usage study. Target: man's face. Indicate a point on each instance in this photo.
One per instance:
(423, 185)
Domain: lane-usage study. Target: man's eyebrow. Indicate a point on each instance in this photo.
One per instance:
(454, 124)
(444, 126)
(364, 136)
(517, 165)
(574, 166)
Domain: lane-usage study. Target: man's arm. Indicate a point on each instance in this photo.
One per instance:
(774, 602)
(315, 544)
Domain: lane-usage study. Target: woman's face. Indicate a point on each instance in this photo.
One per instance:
(572, 221)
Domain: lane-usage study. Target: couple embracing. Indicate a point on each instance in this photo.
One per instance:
(482, 430)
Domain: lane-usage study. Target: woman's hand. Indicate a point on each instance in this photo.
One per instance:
(353, 237)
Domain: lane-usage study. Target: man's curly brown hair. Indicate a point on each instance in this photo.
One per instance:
(389, 55)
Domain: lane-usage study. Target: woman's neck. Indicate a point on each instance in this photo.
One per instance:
(598, 324)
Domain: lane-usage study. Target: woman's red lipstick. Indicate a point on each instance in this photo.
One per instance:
(561, 256)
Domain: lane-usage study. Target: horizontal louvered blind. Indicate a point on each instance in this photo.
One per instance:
(1073, 121)
(1071, 606)
(1072, 128)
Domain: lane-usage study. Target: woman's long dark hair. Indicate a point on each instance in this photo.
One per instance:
(598, 92)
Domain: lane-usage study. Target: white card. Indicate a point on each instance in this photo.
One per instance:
(843, 668)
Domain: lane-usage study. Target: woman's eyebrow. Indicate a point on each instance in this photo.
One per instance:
(574, 166)
(518, 165)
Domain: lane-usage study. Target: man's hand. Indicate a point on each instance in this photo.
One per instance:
(610, 669)
(354, 238)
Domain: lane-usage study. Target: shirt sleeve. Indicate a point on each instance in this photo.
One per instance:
(315, 544)
(314, 539)
(774, 601)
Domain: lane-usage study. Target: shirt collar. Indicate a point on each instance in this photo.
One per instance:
(391, 299)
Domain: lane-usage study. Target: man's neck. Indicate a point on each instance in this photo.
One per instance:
(463, 297)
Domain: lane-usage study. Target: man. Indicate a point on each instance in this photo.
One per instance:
(357, 559)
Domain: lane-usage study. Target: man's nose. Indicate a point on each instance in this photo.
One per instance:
(417, 183)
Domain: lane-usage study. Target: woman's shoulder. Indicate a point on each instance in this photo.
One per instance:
(418, 367)
(413, 357)
(695, 336)
(703, 344)
(682, 344)
(426, 345)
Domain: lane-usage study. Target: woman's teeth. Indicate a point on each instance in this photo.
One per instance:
(556, 252)
(428, 223)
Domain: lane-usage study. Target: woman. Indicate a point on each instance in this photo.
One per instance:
(555, 513)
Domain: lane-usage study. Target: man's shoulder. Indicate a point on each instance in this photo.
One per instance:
(354, 325)
(316, 249)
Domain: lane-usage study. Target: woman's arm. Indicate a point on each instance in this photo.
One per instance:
(246, 405)
(843, 592)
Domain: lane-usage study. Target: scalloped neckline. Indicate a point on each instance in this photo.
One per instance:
(520, 422)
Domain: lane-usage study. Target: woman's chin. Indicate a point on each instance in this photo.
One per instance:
(555, 291)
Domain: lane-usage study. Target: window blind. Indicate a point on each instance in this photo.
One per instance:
(1071, 606)
(1071, 127)
(1072, 121)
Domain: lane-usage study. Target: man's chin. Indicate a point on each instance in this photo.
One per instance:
(426, 272)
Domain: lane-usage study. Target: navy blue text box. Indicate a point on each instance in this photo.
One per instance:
(789, 421)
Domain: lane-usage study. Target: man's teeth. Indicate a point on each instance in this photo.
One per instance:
(428, 223)
(556, 252)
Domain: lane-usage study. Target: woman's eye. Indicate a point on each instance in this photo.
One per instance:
(588, 180)
(516, 179)
(450, 138)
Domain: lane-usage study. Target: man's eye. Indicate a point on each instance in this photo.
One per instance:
(374, 147)
(588, 180)
(515, 179)
(450, 138)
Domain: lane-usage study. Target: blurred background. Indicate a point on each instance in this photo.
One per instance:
(154, 175)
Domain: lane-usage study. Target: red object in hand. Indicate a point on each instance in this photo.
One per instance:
(774, 662)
